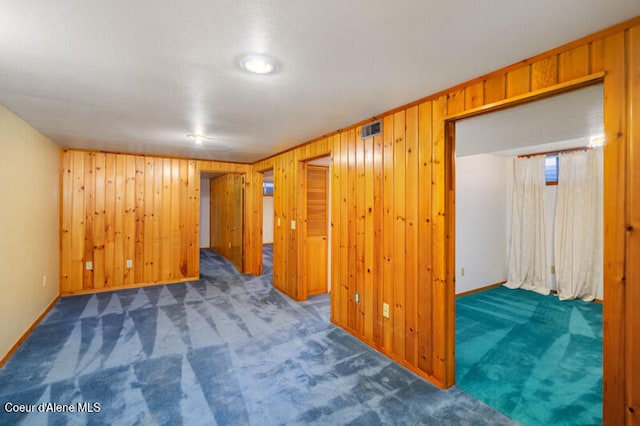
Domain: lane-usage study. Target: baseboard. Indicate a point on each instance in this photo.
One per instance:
(478, 290)
(26, 334)
(129, 286)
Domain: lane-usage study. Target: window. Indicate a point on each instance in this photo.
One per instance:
(267, 188)
(551, 169)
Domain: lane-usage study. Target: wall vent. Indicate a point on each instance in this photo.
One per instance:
(372, 129)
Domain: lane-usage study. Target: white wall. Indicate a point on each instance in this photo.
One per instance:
(205, 205)
(267, 220)
(481, 220)
(30, 226)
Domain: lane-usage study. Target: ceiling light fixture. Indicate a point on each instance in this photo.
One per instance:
(258, 64)
(197, 138)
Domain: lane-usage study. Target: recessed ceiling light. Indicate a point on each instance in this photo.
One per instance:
(258, 64)
(197, 138)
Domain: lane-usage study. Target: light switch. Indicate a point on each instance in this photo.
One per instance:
(293, 224)
(89, 266)
(385, 310)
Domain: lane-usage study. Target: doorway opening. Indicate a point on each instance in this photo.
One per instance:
(222, 215)
(482, 155)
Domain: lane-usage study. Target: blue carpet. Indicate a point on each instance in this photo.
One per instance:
(532, 357)
(228, 350)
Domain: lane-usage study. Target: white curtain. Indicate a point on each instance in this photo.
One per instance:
(527, 254)
(578, 226)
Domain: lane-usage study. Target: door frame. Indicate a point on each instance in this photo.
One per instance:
(614, 301)
(302, 209)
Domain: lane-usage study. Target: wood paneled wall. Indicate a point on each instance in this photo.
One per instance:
(227, 217)
(287, 207)
(393, 210)
(117, 207)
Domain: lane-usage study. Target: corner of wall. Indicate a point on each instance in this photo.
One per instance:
(29, 247)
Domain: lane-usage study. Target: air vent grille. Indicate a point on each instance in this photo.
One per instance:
(372, 129)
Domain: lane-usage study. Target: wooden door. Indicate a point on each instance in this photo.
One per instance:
(316, 229)
(227, 217)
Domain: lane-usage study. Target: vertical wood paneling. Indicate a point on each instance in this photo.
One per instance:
(424, 290)
(336, 232)
(66, 199)
(573, 64)
(388, 278)
(130, 217)
(138, 261)
(192, 227)
(99, 223)
(438, 233)
(474, 95)
(614, 217)
(359, 205)
(399, 233)
(544, 73)
(89, 213)
(123, 207)
(352, 230)
(344, 234)
(518, 81)
(368, 294)
(494, 89)
(148, 228)
(158, 171)
(227, 217)
(165, 225)
(110, 222)
(378, 255)
(78, 220)
(455, 101)
(118, 213)
(597, 56)
(411, 243)
(176, 220)
(633, 235)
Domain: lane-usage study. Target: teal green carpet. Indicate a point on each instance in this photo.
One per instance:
(532, 357)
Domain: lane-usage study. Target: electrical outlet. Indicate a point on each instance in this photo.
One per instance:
(44, 281)
(356, 297)
(129, 263)
(293, 224)
(385, 310)
(278, 221)
(89, 266)
(462, 272)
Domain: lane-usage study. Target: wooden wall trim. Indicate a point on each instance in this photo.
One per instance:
(632, 271)
(530, 96)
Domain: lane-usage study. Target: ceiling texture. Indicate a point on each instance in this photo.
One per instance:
(137, 76)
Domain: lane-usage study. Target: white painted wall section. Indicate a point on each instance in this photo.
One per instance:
(267, 220)
(481, 221)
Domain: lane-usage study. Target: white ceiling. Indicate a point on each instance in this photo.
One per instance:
(563, 121)
(138, 75)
